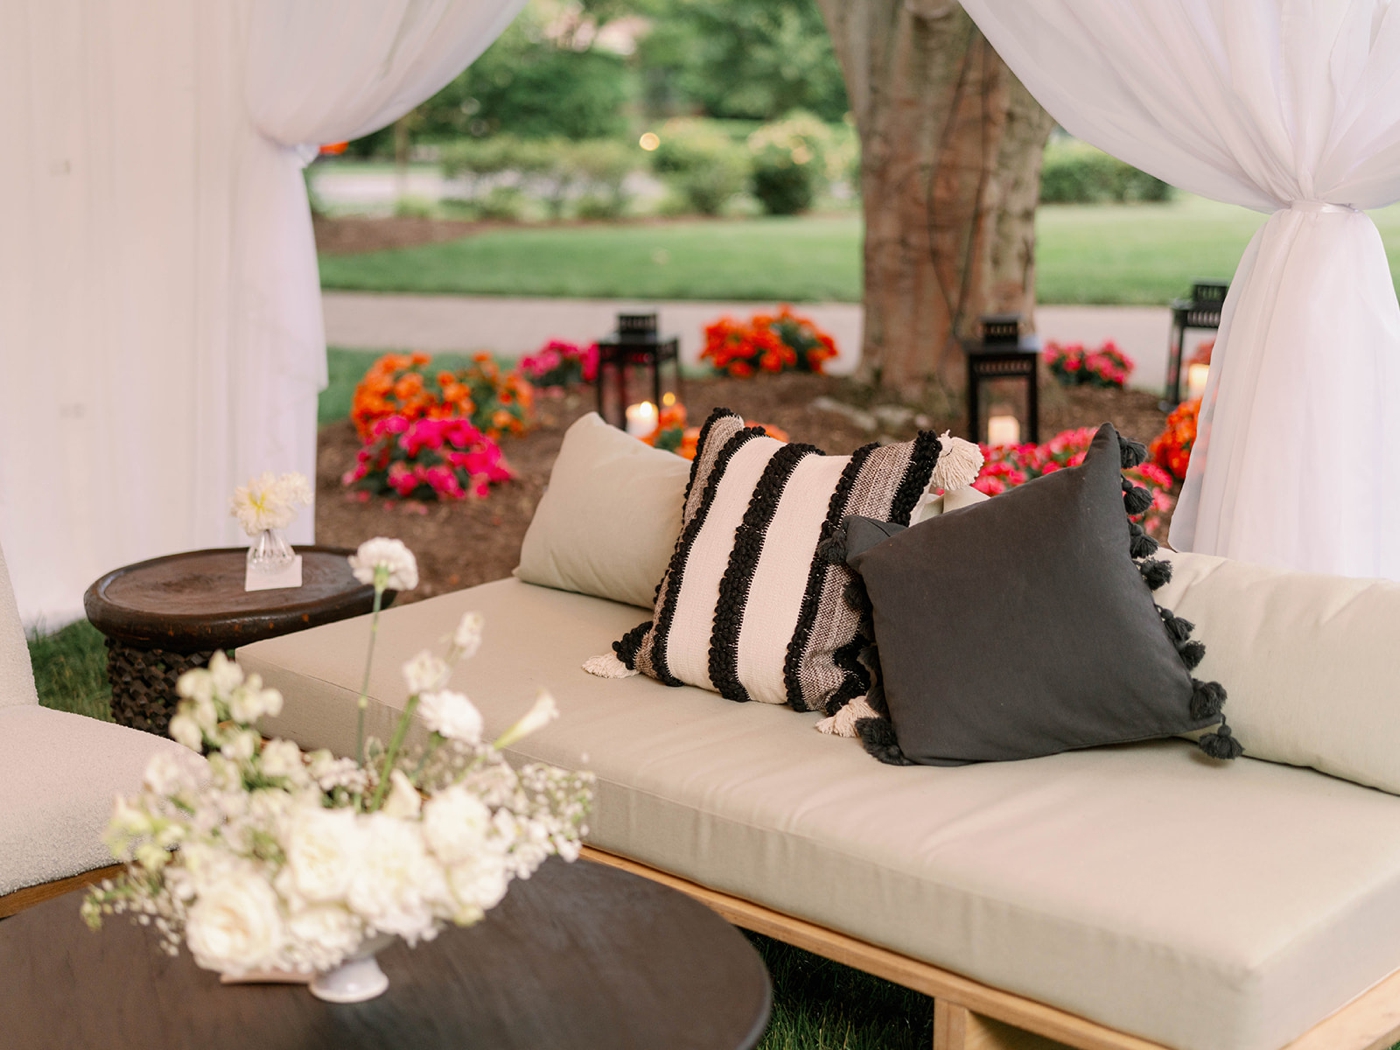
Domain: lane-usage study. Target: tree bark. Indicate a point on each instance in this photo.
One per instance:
(951, 146)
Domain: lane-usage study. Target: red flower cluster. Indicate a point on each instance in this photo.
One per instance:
(767, 343)
(559, 365)
(1007, 466)
(1073, 365)
(427, 459)
(1171, 449)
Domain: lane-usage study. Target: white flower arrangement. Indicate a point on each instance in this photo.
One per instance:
(262, 857)
(270, 501)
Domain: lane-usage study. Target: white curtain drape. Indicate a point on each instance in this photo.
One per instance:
(1290, 107)
(160, 320)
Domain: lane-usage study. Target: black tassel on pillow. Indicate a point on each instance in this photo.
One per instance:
(833, 548)
(1178, 630)
(1207, 699)
(1136, 498)
(877, 734)
(1156, 573)
(1220, 744)
(1131, 453)
(1192, 653)
(1143, 545)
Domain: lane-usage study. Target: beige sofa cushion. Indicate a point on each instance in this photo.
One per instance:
(1142, 886)
(1308, 662)
(608, 521)
(58, 777)
(16, 674)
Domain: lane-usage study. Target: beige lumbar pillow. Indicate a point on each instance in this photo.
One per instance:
(1308, 658)
(607, 524)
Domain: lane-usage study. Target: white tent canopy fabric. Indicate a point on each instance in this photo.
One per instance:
(160, 321)
(1290, 107)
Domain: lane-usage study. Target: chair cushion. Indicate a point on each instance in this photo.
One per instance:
(1141, 886)
(58, 777)
(16, 672)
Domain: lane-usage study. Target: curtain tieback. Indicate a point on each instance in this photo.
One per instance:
(1319, 207)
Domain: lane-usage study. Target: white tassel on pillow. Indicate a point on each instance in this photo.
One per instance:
(843, 722)
(958, 464)
(608, 666)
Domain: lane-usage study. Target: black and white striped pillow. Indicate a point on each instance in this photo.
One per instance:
(752, 605)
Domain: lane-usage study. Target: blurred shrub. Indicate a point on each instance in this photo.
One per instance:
(557, 170)
(502, 203)
(788, 161)
(1074, 172)
(702, 164)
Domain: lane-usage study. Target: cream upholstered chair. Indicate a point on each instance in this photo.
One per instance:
(58, 776)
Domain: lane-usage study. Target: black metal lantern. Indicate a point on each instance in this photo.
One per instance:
(1201, 311)
(1003, 357)
(636, 343)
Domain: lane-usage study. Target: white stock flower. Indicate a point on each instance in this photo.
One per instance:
(196, 684)
(403, 801)
(225, 674)
(282, 758)
(456, 824)
(240, 746)
(329, 929)
(425, 673)
(323, 847)
(250, 702)
(396, 884)
(269, 501)
(235, 925)
(391, 555)
(185, 730)
(479, 882)
(466, 640)
(452, 715)
(539, 716)
(168, 774)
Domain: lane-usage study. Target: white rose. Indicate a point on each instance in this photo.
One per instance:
(456, 824)
(234, 926)
(185, 730)
(452, 715)
(466, 640)
(403, 801)
(396, 885)
(328, 931)
(323, 847)
(425, 673)
(479, 882)
(392, 556)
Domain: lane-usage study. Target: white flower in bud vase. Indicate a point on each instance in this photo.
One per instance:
(466, 640)
(396, 561)
(269, 501)
(425, 673)
(452, 715)
(235, 926)
(539, 716)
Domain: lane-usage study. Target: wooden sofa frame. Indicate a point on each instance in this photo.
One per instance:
(972, 1016)
(967, 1015)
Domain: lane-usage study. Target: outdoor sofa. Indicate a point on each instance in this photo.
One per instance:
(1124, 897)
(58, 776)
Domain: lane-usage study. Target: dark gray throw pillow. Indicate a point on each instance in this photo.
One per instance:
(1025, 625)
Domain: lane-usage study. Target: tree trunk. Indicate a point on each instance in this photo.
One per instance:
(951, 146)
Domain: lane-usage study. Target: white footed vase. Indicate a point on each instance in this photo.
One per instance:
(358, 978)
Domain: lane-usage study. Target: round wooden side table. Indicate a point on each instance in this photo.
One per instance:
(165, 616)
(578, 957)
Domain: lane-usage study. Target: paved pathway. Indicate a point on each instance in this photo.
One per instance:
(515, 326)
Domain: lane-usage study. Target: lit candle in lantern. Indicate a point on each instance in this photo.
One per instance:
(1003, 430)
(641, 419)
(1196, 376)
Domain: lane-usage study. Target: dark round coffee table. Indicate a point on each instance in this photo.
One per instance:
(167, 615)
(579, 957)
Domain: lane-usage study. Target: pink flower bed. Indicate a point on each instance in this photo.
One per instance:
(427, 459)
(1073, 365)
(559, 365)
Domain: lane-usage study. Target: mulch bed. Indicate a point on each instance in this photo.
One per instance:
(466, 542)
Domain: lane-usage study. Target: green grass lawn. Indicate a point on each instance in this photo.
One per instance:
(1087, 253)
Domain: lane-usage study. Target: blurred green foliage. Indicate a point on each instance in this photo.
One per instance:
(1076, 173)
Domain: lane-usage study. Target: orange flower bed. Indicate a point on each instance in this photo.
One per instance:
(672, 435)
(767, 343)
(496, 402)
(1171, 449)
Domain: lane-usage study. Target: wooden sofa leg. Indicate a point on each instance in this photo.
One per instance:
(958, 1028)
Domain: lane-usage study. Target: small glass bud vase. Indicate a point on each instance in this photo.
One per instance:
(269, 552)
